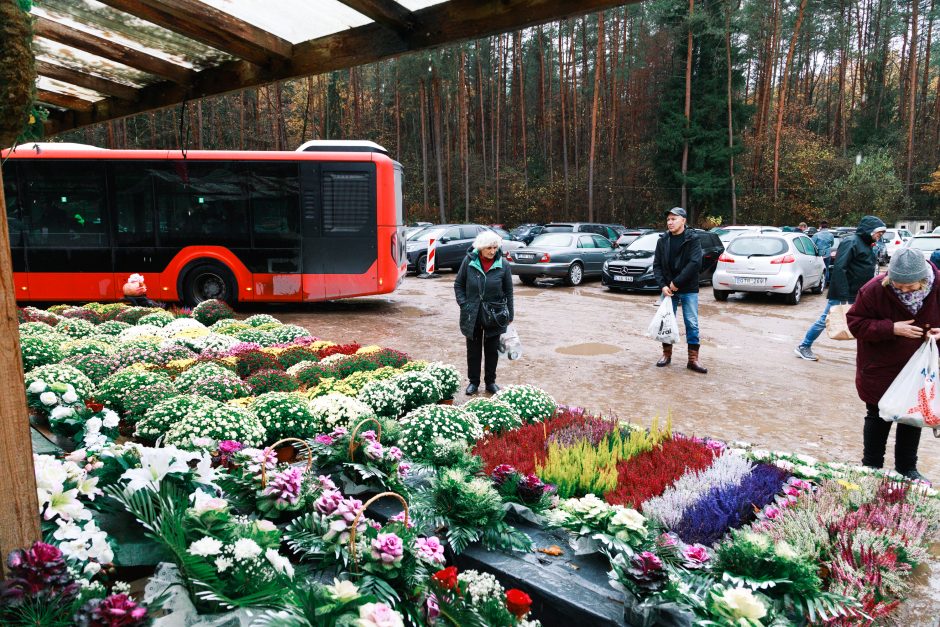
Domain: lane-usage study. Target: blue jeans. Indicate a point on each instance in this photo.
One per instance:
(820, 325)
(689, 314)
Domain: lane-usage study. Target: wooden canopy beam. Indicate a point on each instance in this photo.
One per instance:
(386, 12)
(108, 49)
(88, 81)
(64, 100)
(208, 25)
(449, 22)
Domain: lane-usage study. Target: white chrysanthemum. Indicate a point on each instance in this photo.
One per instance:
(207, 546)
(246, 549)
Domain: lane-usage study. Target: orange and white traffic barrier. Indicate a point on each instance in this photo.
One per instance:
(432, 249)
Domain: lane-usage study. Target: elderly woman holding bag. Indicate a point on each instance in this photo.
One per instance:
(484, 293)
(892, 316)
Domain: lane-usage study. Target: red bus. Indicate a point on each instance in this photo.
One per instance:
(320, 223)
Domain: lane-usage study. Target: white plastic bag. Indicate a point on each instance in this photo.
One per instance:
(664, 327)
(912, 397)
(509, 343)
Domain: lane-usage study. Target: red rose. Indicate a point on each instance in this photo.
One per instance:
(93, 406)
(518, 602)
(446, 578)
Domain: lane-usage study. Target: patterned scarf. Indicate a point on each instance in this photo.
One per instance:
(914, 300)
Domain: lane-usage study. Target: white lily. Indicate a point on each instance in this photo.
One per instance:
(155, 465)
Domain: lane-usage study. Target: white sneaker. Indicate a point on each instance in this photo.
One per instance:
(805, 352)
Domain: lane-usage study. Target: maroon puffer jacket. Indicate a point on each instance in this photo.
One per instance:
(881, 353)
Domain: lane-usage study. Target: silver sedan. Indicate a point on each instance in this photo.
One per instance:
(773, 263)
(568, 256)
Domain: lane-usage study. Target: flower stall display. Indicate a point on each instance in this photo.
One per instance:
(419, 388)
(359, 459)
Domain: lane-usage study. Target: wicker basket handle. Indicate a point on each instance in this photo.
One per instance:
(355, 522)
(353, 444)
(264, 472)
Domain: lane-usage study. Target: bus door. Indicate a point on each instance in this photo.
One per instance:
(17, 232)
(135, 245)
(340, 241)
(68, 239)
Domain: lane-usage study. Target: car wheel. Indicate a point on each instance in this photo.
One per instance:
(721, 295)
(793, 298)
(821, 286)
(575, 274)
(421, 265)
(206, 281)
(527, 280)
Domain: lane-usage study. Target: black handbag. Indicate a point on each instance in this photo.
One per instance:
(495, 315)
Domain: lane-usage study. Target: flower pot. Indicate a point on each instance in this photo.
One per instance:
(286, 454)
(446, 401)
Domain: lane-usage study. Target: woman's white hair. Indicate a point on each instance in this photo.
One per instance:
(485, 239)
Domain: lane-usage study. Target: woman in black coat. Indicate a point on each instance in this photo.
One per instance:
(484, 294)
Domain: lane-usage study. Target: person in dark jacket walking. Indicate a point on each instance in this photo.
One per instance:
(889, 320)
(484, 293)
(854, 266)
(676, 266)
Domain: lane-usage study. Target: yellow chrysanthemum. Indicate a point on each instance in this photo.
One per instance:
(273, 350)
(321, 344)
(366, 350)
(848, 485)
(192, 333)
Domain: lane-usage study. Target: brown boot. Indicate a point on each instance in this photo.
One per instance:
(666, 359)
(693, 364)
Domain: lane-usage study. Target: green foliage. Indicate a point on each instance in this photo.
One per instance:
(869, 188)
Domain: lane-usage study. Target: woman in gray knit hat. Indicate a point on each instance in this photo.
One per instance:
(892, 316)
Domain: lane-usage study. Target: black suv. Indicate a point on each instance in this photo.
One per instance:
(632, 267)
(582, 227)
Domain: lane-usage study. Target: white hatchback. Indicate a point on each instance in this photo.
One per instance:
(925, 243)
(773, 263)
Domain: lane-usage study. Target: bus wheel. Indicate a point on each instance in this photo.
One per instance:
(206, 281)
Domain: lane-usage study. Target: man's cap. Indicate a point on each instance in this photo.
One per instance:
(678, 211)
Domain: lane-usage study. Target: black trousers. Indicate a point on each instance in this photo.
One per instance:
(907, 439)
(479, 347)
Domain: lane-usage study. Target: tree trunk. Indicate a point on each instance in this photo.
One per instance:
(520, 81)
(498, 123)
(911, 98)
(482, 112)
(597, 86)
(688, 108)
(423, 98)
(734, 196)
(781, 100)
(562, 96)
(463, 115)
(436, 106)
(925, 83)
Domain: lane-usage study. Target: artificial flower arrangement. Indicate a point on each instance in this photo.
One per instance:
(90, 425)
(41, 589)
(474, 599)
(470, 509)
(613, 529)
(340, 603)
(526, 490)
(360, 458)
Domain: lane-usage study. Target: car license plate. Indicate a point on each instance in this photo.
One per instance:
(628, 279)
(750, 280)
(524, 256)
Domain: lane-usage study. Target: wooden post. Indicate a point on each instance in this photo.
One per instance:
(19, 506)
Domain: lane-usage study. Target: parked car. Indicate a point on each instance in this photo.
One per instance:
(510, 242)
(582, 227)
(728, 233)
(630, 235)
(525, 233)
(926, 243)
(411, 231)
(452, 243)
(893, 239)
(569, 256)
(632, 266)
(773, 263)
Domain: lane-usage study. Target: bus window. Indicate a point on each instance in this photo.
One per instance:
(348, 207)
(274, 194)
(201, 203)
(399, 200)
(133, 197)
(66, 205)
(14, 222)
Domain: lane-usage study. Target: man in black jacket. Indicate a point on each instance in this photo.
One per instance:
(677, 263)
(855, 265)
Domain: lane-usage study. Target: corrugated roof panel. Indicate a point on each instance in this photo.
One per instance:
(294, 20)
(95, 18)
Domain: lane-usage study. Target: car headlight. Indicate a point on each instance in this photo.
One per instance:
(606, 264)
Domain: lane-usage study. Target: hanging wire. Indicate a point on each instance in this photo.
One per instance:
(183, 141)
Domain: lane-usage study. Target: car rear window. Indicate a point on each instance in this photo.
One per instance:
(645, 242)
(559, 228)
(757, 246)
(557, 240)
(925, 243)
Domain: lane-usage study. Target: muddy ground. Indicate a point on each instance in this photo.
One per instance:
(586, 346)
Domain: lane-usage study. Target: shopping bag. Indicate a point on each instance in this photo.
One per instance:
(837, 326)
(509, 343)
(912, 397)
(664, 327)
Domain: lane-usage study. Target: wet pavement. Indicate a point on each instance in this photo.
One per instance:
(586, 346)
